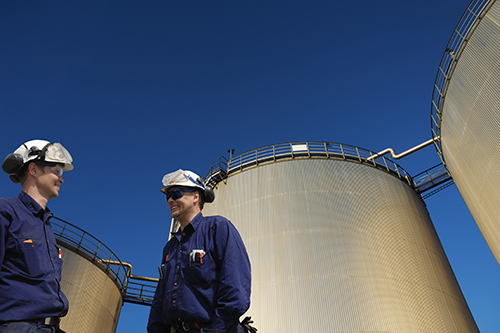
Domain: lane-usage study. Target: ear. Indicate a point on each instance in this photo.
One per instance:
(32, 169)
(196, 195)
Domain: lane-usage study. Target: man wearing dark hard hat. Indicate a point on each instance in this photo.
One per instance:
(31, 299)
(205, 274)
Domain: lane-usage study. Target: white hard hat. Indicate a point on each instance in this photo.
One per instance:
(181, 178)
(188, 179)
(36, 150)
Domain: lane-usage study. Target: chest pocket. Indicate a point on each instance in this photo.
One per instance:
(200, 270)
(31, 258)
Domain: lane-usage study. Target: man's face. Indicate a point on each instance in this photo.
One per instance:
(49, 180)
(182, 208)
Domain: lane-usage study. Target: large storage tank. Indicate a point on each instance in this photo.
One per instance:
(94, 298)
(93, 280)
(337, 243)
(466, 115)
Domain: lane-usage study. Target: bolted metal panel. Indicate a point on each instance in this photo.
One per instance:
(94, 298)
(338, 246)
(470, 126)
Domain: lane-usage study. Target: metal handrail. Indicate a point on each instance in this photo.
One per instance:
(432, 177)
(134, 288)
(302, 150)
(83, 243)
(141, 292)
(461, 35)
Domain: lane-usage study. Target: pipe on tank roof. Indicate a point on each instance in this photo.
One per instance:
(403, 154)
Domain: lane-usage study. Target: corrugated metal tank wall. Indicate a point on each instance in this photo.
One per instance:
(95, 300)
(470, 127)
(337, 246)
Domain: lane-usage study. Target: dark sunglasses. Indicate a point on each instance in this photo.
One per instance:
(178, 193)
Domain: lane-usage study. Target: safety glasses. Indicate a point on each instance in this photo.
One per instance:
(55, 168)
(177, 193)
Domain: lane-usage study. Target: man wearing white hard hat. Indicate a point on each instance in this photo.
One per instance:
(205, 276)
(31, 299)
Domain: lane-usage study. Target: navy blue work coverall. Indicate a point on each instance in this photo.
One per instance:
(30, 262)
(205, 278)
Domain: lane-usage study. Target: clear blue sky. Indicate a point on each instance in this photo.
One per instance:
(136, 89)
